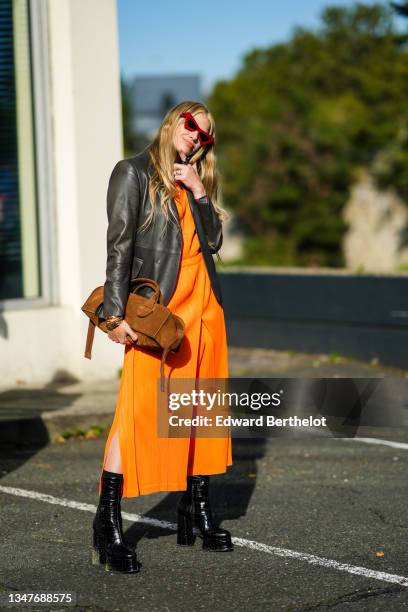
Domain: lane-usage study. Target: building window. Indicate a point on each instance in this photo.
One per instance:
(19, 243)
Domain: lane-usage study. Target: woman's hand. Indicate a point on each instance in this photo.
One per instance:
(122, 332)
(188, 174)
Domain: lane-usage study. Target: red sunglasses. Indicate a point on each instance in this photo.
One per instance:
(191, 124)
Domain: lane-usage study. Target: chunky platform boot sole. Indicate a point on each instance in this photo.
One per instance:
(221, 543)
(128, 565)
(186, 536)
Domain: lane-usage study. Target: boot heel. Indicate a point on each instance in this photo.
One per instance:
(185, 535)
(98, 557)
(98, 554)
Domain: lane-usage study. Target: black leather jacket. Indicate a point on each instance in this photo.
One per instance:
(149, 254)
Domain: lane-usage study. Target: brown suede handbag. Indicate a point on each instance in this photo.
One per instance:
(156, 326)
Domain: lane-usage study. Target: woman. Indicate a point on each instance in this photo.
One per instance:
(171, 242)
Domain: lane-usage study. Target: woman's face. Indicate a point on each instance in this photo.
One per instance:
(186, 142)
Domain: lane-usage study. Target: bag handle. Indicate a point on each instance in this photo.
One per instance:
(141, 282)
(157, 297)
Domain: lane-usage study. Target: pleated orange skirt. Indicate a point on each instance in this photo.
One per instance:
(151, 464)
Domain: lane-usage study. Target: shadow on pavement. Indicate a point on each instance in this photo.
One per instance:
(22, 430)
(229, 493)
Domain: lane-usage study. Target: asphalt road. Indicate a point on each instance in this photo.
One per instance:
(318, 524)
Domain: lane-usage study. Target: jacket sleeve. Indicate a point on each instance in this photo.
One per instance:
(212, 224)
(122, 208)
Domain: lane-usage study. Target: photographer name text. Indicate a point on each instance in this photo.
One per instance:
(259, 421)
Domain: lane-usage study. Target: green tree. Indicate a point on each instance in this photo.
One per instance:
(297, 123)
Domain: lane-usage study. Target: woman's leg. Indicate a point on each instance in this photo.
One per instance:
(113, 460)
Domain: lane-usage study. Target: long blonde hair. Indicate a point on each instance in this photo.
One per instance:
(163, 155)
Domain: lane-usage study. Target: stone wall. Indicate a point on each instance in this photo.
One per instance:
(377, 238)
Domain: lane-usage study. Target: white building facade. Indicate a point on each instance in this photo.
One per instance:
(61, 137)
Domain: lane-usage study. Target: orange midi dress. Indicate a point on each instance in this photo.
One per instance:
(150, 463)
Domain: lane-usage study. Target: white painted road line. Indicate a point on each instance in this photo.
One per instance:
(322, 561)
(68, 503)
(250, 544)
(379, 441)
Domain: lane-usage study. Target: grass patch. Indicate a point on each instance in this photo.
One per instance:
(94, 432)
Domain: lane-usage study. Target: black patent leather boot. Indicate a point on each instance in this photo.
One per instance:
(194, 511)
(109, 546)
